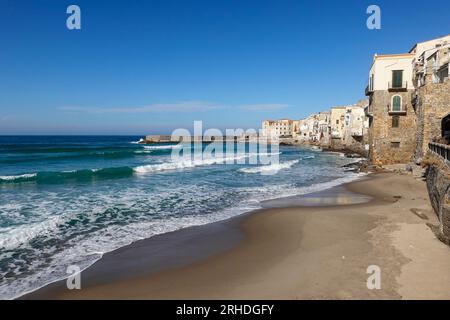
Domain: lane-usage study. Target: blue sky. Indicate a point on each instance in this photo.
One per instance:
(139, 67)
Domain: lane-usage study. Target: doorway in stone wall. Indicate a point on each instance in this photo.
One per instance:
(445, 126)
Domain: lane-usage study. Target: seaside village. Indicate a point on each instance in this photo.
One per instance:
(407, 108)
(403, 125)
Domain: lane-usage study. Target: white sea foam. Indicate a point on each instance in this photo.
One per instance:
(60, 216)
(186, 164)
(168, 147)
(272, 168)
(17, 177)
(136, 142)
(85, 251)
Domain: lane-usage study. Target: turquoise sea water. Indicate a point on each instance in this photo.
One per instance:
(68, 200)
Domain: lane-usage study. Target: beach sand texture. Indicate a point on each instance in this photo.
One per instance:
(301, 252)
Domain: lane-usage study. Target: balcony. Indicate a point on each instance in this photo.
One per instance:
(398, 86)
(368, 111)
(368, 91)
(396, 110)
(335, 135)
(441, 150)
(356, 132)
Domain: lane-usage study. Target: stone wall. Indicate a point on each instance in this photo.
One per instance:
(438, 185)
(433, 104)
(382, 135)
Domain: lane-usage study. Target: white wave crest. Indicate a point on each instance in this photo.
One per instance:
(270, 168)
(168, 147)
(177, 165)
(22, 176)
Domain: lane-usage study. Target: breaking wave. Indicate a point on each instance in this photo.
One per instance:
(270, 168)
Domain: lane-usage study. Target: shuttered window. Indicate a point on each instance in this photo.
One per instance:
(397, 78)
(396, 103)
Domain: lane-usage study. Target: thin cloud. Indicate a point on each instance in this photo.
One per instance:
(185, 106)
(264, 107)
(188, 106)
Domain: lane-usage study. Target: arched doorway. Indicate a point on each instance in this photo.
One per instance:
(445, 126)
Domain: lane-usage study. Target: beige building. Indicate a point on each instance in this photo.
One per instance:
(337, 118)
(392, 123)
(277, 128)
(356, 126)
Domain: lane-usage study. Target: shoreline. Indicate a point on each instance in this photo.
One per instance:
(228, 229)
(259, 254)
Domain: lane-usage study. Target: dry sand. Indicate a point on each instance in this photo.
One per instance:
(309, 252)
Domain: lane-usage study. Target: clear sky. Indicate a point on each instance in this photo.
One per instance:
(148, 66)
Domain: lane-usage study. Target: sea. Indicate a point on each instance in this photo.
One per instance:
(67, 200)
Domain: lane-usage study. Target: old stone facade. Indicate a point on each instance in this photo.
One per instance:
(392, 133)
(432, 105)
(438, 185)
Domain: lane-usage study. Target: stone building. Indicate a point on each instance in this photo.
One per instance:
(392, 120)
(431, 99)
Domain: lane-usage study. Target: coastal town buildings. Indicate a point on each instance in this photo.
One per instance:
(408, 106)
(409, 96)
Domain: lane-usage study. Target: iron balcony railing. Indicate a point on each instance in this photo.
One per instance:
(398, 86)
(441, 150)
(368, 91)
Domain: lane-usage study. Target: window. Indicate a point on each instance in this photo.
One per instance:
(397, 78)
(396, 103)
(442, 74)
(395, 145)
(337, 121)
(395, 121)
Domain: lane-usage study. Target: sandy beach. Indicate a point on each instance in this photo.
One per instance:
(318, 247)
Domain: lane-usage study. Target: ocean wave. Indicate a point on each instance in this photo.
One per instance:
(86, 251)
(21, 177)
(168, 147)
(63, 176)
(177, 165)
(137, 142)
(186, 164)
(271, 168)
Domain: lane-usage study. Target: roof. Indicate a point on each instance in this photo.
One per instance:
(434, 39)
(397, 55)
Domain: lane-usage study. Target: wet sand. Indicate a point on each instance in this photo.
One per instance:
(319, 247)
